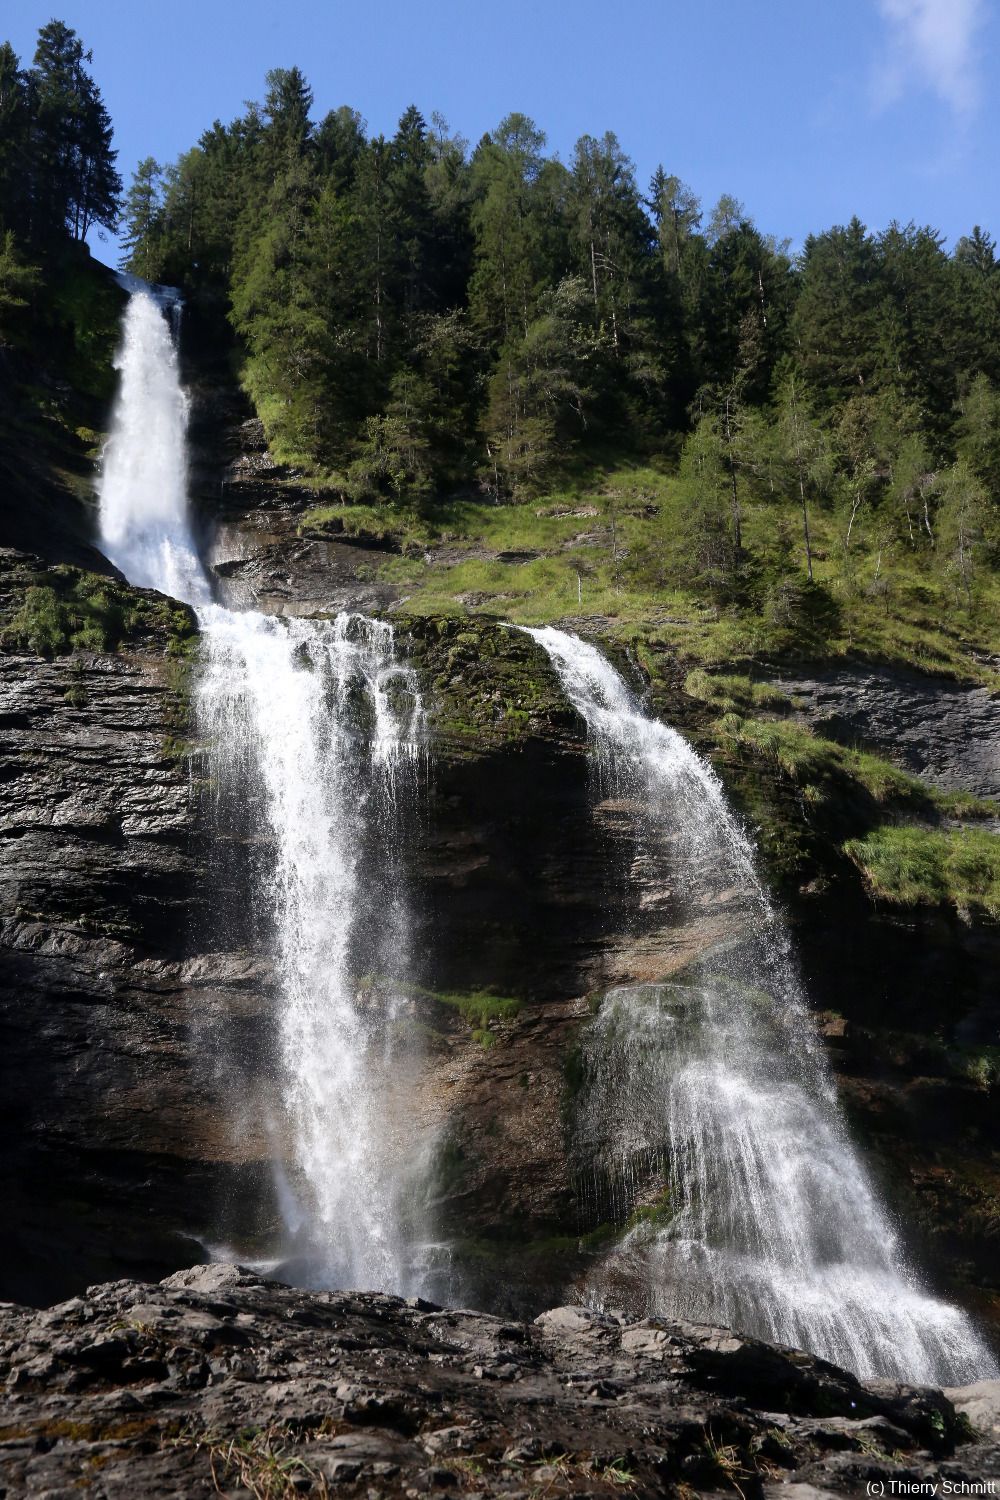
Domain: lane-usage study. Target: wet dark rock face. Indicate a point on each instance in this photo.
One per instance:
(943, 732)
(112, 1135)
(136, 1025)
(137, 1004)
(216, 1381)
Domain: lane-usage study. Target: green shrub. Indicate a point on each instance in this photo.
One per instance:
(81, 611)
(40, 623)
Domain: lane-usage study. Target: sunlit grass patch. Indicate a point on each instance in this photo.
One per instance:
(911, 866)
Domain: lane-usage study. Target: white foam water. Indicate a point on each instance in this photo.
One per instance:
(712, 1088)
(313, 725)
(142, 488)
(315, 722)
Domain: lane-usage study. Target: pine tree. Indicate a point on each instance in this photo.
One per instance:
(676, 215)
(804, 452)
(917, 322)
(513, 263)
(977, 298)
(276, 310)
(541, 391)
(834, 326)
(15, 187)
(963, 528)
(18, 282)
(143, 221)
(288, 130)
(708, 554)
(410, 215)
(978, 434)
(339, 141)
(76, 185)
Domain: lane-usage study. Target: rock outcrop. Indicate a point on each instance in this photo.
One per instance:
(111, 1130)
(218, 1382)
(946, 733)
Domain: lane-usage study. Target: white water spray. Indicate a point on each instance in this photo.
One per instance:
(312, 724)
(280, 702)
(142, 490)
(713, 1087)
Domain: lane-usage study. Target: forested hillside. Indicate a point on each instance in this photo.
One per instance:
(430, 331)
(420, 323)
(59, 308)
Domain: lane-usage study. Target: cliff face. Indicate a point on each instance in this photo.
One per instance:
(137, 1032)
(97, 883)
(947, 734)
(138, 1056)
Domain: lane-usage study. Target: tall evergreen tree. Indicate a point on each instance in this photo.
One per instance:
(15, 120)
(834, 325)
(76, 184)
(142, 221)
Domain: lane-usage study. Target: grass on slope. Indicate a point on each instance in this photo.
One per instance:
(818, 765)
(908, 866)
(608, 549)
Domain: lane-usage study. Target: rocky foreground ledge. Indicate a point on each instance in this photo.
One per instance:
(219, 1382)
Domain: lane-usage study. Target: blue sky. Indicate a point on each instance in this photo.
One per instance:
(807, 112)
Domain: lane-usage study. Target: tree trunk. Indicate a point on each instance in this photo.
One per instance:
(737, 520)
(805, 527)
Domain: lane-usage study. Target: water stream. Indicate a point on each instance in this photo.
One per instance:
(707, 1101)
(312, 725)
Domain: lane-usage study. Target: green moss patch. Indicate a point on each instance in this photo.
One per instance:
(489, 686)
(478, 1008)
(66, 609)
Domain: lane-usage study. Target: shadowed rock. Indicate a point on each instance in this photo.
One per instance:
(217, 1381)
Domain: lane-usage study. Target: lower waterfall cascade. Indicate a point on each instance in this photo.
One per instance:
(318, 724)
(714, 1079)
(711, 1078)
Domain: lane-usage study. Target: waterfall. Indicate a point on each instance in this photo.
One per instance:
(280, 704)
(312, 726)
(142, 489)
(707, 1096)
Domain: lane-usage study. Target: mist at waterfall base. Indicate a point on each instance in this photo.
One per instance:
(313, 728)
(707, 1105)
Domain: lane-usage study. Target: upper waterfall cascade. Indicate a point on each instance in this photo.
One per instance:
(713, 1083)
(315, 722)
(145, 529)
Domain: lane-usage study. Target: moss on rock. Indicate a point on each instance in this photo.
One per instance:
(489, 685)
(57, 610)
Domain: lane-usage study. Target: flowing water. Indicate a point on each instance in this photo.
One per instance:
(312, 727)
(707, 1103)
(142, 490)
